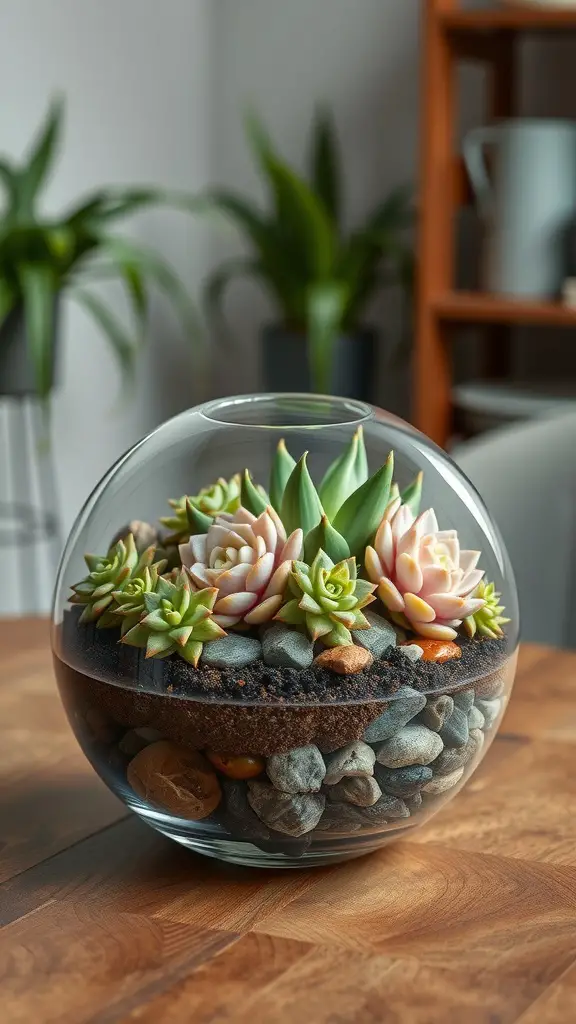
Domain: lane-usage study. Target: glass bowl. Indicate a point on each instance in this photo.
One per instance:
(322, 666)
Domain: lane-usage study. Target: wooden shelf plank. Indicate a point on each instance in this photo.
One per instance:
(477, 307)
(508, 19)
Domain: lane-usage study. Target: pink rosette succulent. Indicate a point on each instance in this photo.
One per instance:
(248, 559)
(423, 577)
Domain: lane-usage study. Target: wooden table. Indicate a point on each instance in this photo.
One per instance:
(102, 920)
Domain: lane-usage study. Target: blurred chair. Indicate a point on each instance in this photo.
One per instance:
(527, 477)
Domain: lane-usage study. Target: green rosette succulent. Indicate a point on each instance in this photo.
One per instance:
(222, 496)
(328, 600)
(109, 574)
(129, 605)
(178, 620)
(488, 621)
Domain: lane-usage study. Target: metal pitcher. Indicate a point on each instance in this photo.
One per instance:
(527, 200)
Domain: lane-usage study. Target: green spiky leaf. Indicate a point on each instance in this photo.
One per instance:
(412, 496)
(362, 512)
(340, 479)
(251, 497)
(301, 505)
(282, 467)
(198, 522)
(326, 537)
(361, 459)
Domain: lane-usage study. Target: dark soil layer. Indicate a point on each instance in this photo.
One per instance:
(257, 710)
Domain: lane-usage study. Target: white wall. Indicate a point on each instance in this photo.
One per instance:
(136, 77)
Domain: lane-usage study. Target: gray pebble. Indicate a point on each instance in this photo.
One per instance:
(464, 700)
(301, 770)
(355, 758)
(413, 803)
(453, 758)
(454, 732)
(411, 651)
(379, 638)
(238, 817)
(387, 808)
(441, 783)
(232, 651)
(478, 737)
(294, 815)
(360, 790)
(403, 781)
(475, 718)
(405, 704)
(437, 710)
(491, 687)
(340, 818)
(286, 648)
(490, 709)
(414, 744)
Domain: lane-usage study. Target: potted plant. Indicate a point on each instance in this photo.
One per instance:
(323, 666)
(43, 257)
(320, 276)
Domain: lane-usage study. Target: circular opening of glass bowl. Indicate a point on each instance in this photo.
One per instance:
(288, 411)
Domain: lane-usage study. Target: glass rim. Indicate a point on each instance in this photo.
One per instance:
(310, 410)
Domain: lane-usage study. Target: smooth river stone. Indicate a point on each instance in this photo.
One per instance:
(442, 783)
(355, 758)
(301, 770)
(455, 731)
(475, 718)
(414, 744)
(437, 710)
(238, 816)
(411, 651)
(453, 758)
(403, 781)
(405, 704)
(292, 814)
(464, 700)
(379, 638)
(232, 651)
(340, 817)
(286, 648)
(387, 808)
(490, 709)
(360, 790)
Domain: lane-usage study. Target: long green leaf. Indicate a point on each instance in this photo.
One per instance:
(325, 163)
(339, 480)
(326, 305)
(412, 496)
(301, 506)
(41, 159)
(361, 514)
(9, 179)
(121, 343)
(361, 459)
(7, 300)
(38, 295)
(324, 537)
(282, 467)
(251, 497)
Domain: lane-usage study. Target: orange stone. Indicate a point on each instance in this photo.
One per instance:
(346, 661)
(436, 650)
(242, 767)
(176, 779)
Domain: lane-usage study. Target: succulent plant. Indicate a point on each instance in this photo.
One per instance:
(247, 559)
(328, 600)
(107, 574)
(222, 496)
(129, 605)
(488, 620)
(178, 620)
(345, 475)
(424, 579)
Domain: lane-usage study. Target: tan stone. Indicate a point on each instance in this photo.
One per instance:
(346, 661)
(176, 779)
(436, 650)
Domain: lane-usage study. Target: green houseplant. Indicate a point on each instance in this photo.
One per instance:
(42, 257)
(320, 276)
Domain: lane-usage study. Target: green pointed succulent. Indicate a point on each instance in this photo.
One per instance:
(301, 506)
(107, 574)
(282, 467)
(129, 605)
(344, 476)
(489, 619)
(253, 496)
(325, 537)
(178, 620)
(222, 496)
(412, 495)
(328, 600)
(361, 514)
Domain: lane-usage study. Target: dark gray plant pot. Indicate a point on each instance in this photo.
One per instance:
(285, 362)
(17, 377)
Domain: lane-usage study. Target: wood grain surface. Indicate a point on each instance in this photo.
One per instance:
(102, 920)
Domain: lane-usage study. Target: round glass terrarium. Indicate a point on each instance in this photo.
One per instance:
(307, 652)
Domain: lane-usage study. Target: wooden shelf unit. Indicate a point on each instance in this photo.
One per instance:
(451, 35)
